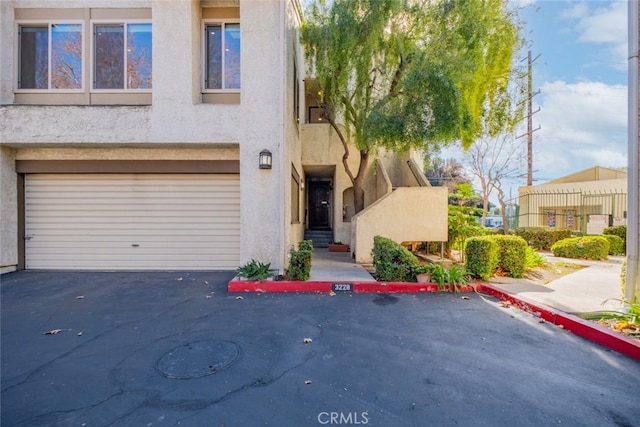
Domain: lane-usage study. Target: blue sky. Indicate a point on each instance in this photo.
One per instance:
(581, 73)
(582, 77)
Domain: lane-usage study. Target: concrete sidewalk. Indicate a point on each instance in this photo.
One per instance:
(337, 267)
(593, 288)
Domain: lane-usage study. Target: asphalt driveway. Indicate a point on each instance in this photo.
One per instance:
(175, 348)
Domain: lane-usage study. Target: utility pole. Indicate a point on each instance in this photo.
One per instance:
(530, 113)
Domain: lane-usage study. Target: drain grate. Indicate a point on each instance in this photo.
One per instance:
(198, 359)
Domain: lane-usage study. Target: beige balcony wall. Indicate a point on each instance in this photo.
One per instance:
(406, 214)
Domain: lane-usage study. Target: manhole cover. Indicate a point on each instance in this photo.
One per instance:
(198, 359)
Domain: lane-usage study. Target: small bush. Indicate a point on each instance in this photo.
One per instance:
(438, 274)
(300, 265)
(482, 256)
(392, 261)
(620, 231)
(513, 254)
(255, 270)
(457, 276)
(616, 244)
(533, 258)
(586, 247)
(542, 238)
(306, 245)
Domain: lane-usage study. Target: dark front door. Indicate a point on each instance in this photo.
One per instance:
(319, 204)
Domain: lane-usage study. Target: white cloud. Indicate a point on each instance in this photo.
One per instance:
(606, 25)
(582, 125)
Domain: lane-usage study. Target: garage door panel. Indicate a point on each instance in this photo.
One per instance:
(132, 221)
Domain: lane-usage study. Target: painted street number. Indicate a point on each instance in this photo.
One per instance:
(342, 287)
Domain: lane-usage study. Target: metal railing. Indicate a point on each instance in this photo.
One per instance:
(567, 209)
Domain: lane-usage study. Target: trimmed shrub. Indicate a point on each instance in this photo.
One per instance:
(616, 244)
(299, 265)
(393, 262)
(512, 254)
(542, 238)
(620, 231)
(585, 247)
(482, 256)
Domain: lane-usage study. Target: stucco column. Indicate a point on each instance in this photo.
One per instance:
(262, 207)
(8, 211)
(176, 59)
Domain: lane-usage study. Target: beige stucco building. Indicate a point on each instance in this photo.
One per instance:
(131, 132)
(585, 201)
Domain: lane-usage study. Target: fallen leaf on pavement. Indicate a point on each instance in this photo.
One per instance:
(465, 297)
(239, 297)
(332, 294)
(505, 304)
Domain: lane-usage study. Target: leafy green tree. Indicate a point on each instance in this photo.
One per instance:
(408, 73)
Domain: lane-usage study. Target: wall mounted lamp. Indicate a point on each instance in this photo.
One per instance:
(265, 159)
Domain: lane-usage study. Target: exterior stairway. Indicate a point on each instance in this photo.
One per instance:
(320, 238)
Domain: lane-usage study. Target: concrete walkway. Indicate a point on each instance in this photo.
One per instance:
(336, 267)
(593, 288)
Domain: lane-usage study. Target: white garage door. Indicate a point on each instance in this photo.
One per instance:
(132, 221)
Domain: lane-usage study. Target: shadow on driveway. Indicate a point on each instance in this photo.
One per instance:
(167, 348)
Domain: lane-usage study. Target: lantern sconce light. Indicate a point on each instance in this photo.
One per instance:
(265, 159)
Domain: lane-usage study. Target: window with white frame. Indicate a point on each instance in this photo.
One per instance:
(122, 56)
(222, 56)
(50, 56)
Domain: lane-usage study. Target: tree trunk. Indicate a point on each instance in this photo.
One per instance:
(503, 211)
(358, 181)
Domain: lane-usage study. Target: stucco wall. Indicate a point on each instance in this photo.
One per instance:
(406, 214)
(177, 124)
(534, 201)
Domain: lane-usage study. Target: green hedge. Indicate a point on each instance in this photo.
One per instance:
(616, 244)
(513, 254)
(485, 254)
(542, 238)
(620, 231)
(393, 262)
(482, 256)
(585, 247)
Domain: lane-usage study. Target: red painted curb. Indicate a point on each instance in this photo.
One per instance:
(581, 327)
(321, 286)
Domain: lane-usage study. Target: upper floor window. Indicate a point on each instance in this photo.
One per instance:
(50, 56)
(122, 55)
(222, 56)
